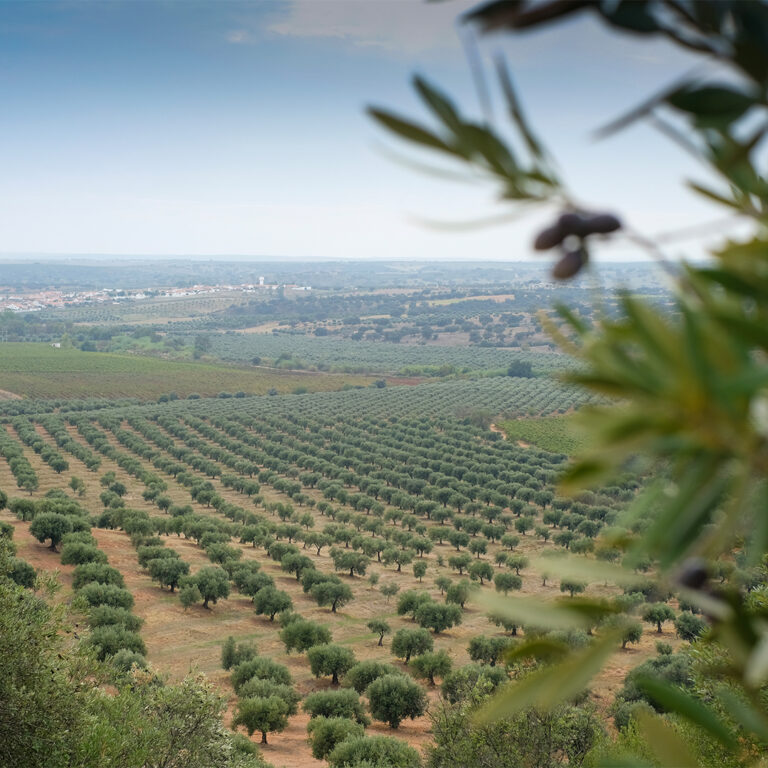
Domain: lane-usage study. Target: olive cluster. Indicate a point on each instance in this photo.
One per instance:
(569, 234)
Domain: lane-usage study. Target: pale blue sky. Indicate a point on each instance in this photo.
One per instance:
(223, 128)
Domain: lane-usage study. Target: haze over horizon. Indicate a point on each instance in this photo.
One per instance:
(236, 130)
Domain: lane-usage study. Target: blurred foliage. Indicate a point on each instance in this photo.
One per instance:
(690, 386)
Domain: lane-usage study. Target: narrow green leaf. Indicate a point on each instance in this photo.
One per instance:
(752, 720)
(550, 686)
(757, 666)
(674, 699)
(712, 104)
(516, 111)
(438, 104)
(665, 744)
(573, 567)
(712, 195)
(529, 610)
(568, 315)
(410, 131)
(540, 648)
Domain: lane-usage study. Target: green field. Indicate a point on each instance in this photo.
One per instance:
(552, 433)
(39, 370)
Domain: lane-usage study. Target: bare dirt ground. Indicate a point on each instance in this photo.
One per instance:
(6, 395)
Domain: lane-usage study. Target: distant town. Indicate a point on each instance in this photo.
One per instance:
(35, 301)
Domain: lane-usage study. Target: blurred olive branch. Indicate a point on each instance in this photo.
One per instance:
(691, 383)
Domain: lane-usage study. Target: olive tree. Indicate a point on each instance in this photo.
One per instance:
(269, 601)
(393, 698)
(343, 702)
(50, 525)
(364, 673)
(302, 634)
(431, 665)
(658, 613)
(326, 732)
(330, 659)
(438, 616)
(379, 627)
(333, 594)
(706, 472)
(261, 714)
(212, 582)
(373, 751)
(411, 642)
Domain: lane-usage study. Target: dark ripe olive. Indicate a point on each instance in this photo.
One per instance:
(571, 224)
(602, 224)
(693, 573)
(570, 264)
(548, 238)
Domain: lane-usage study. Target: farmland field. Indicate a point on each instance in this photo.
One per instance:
(552, 433)
(366, 482)
(384, 357)
(41, 371)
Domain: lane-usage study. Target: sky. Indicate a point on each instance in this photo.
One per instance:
(238, 129)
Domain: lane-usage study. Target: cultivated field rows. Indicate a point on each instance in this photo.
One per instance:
(178, 639)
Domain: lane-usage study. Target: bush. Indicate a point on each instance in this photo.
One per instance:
(392, 698)
(108, 640)
(472, 678)
(563, 735)
(106, 594)
(21, 572)
(326, 732)
(340, 703)
(99, 573)
(105, 615)
(233, 654)
(75, 553)
(262, 669)
(256, 688)
(373, 751)
(124, 660)
(303, 634)
(690, 627)
(362, 674)
(488, 650)
(673, 668)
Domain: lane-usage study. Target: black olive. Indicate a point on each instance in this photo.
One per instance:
(693, 573)
(602, 224)
(548, 238)
(570, 264)
(571, 224)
